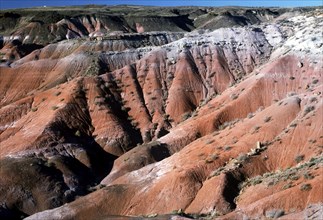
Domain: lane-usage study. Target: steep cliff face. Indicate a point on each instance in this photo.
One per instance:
(208, 122)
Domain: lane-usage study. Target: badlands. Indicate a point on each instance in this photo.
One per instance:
(158, 112)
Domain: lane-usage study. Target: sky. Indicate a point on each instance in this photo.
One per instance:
(5, 4)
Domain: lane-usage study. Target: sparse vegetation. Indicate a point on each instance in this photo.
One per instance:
(134, 124)
(308, 176)
(205, 101)
(287, 186)
(194, 113)
(227, 148)
(274, 213)
(290, 94)
(315, 81)
(306, 187)
(267, 119)
(54, 107)
(211, 158)
(272, 178)
(256, 129)
(234, 96)
(93, 68)
(308, 109)
(229, 124)
(186, 116)
(313, 99)
(299, 158)
(78, 133)
(242, 157)
(250, 115)
(256, 180)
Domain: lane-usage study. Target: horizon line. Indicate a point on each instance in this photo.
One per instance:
(18, 4)
(164, 6)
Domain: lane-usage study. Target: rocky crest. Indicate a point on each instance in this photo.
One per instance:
(213, 112)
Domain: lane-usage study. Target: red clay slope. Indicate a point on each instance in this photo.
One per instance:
(226, 124)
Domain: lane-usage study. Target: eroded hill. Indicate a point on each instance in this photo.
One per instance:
(217, 112)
